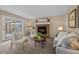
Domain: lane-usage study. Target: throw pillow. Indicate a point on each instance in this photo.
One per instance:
(74, 43)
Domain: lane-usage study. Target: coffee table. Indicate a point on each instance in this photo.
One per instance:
(42, 41)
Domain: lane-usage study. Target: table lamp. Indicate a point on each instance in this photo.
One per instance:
(60, 28)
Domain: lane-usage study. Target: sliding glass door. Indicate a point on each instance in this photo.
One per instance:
(13, 29)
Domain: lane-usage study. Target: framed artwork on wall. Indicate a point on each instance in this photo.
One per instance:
(72, 19)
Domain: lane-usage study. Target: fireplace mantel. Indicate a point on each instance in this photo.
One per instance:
(42, 23)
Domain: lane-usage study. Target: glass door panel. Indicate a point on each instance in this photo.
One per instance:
(9, 28)
(18, 30)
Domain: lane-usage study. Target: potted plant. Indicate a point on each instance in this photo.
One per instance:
(38, 36)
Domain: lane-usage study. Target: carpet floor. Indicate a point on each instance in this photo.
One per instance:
(30, 48)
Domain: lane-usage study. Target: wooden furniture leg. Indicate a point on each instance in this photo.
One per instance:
(35, 43)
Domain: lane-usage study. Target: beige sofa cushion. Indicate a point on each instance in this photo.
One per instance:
(74, 43)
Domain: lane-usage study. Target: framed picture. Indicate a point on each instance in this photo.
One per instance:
(72, 19)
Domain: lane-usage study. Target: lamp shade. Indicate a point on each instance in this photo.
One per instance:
(60, 28)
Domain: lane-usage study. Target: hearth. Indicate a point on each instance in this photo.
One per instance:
(42, 29)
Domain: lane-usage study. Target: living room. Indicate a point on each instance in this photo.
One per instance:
(22, 27)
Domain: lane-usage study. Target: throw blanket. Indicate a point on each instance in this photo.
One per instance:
(59, 39)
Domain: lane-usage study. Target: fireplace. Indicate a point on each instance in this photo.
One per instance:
(42, 26)
(42, 29)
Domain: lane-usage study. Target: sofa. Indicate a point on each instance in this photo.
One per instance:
(60, 43)
(61, 50)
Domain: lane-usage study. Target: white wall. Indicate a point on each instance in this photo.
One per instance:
(55, 22)
(0, 27)
(26, 26)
